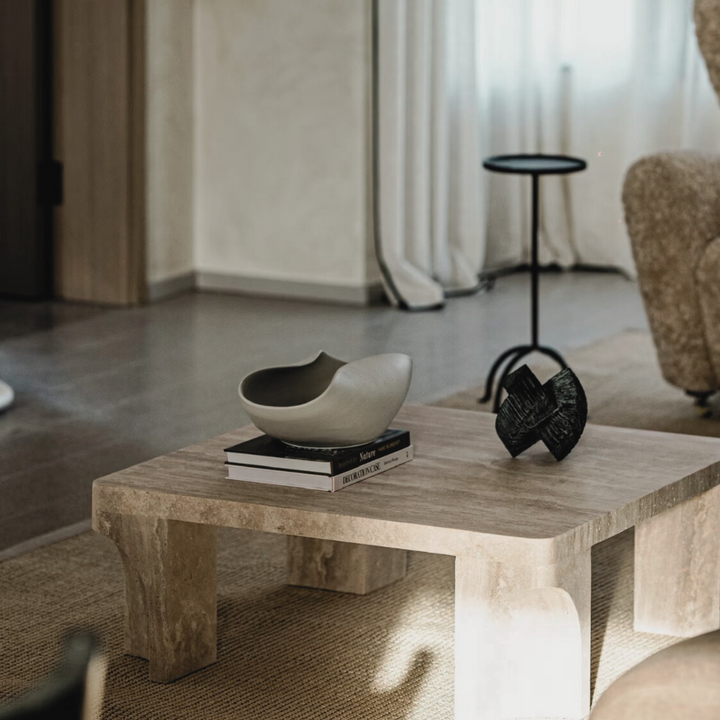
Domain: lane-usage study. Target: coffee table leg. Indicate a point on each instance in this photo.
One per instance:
(342, 567)
(677, 569)
(170, 571)
(522, 639)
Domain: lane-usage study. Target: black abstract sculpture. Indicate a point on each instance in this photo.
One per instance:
(555, 412)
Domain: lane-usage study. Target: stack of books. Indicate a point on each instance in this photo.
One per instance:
(267, 460)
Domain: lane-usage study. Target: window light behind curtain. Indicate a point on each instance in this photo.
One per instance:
(606, 80)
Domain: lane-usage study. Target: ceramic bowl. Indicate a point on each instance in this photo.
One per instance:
(325, 402)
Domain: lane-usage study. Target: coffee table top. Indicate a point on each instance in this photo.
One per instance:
(534, 164)
(462, 492)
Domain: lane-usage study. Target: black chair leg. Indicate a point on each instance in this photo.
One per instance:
(701, 401)
(701, 396)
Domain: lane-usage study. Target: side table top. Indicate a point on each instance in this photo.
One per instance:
(534, 164)
(461, 491)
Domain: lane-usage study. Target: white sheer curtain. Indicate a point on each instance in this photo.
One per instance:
(431, 189)
(459, 80)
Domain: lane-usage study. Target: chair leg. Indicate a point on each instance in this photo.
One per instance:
(701, 396)
(701, 401)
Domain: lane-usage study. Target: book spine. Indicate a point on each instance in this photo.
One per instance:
(374, 468)
(339, 467)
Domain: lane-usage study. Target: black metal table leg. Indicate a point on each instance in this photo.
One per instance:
(508, 369)
(534, 267)
(513, 355)
(554, 354)
(490, 382)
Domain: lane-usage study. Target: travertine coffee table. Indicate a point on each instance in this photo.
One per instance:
(521, 532)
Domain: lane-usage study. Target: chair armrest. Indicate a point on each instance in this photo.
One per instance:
(672, 211)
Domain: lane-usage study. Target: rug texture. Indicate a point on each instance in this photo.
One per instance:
(289, 653)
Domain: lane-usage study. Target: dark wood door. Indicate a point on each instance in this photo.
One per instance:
(26, 170)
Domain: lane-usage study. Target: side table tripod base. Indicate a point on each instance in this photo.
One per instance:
(512, 357)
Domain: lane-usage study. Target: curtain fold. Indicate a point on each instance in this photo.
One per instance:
(429, 212)
(460, 80)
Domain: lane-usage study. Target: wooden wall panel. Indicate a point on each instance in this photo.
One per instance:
(99, 138)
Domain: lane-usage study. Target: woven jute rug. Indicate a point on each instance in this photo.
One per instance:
(289, 653)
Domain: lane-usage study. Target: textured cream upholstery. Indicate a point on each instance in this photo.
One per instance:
(672, 211)
(681, 682)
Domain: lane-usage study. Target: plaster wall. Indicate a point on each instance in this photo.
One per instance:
(280, 150)
(169, 139)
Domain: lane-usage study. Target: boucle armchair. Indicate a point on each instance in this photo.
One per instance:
(672, 211)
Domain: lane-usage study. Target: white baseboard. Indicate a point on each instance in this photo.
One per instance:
(339, 294)
(265, 287)
(47, 539)
(161, 289)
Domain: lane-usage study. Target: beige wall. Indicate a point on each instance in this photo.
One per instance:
(169, 124)
(280, 162)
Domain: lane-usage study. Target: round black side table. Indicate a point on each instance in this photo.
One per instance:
(534, 165)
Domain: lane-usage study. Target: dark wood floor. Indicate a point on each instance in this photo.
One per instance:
(99, 390)
(24, 318)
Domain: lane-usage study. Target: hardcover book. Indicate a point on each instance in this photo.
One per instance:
(318, 481)
(268, 452)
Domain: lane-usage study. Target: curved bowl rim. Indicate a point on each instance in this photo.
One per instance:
(304, 363)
